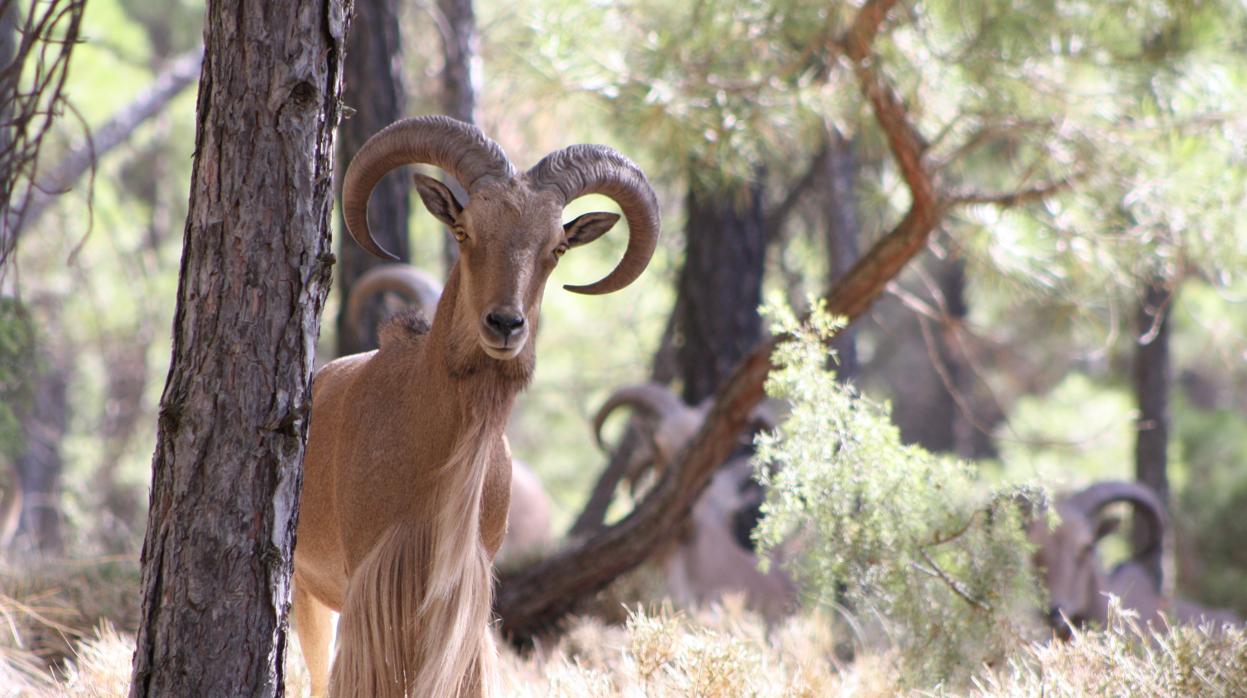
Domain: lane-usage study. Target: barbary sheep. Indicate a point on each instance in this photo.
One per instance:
(528, 519)
(714, 555)
(405, 488)
(1073, 573)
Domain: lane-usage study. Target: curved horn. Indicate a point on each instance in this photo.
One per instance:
(654, 397)
(1091, 500)
(456, 147)
(596, 169)
(417, 287)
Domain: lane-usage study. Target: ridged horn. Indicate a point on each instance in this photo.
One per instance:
(655, 398)
(415, 286)
(1095, 497)
(596, 169)
(456, 147)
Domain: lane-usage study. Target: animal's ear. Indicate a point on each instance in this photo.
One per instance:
(438, 199)
(587, 228)
(1106, 525)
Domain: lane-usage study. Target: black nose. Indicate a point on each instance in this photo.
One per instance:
(504, 323)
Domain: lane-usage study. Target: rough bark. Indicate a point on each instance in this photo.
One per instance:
(373, 87)
(838, 180)
(233, 417)
(1152, 380)
(460, 83)
(720, 284)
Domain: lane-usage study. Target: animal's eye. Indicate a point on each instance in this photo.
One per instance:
(559, 251)
(459, 233)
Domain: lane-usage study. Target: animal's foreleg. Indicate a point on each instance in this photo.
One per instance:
(313, 624)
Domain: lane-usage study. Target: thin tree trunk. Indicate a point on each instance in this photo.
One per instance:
(36, 48)
(843, 230)
(373, 87)
(1152, 380)
(720, 285)
(460, 84)
(40, 466)
(233, 417)
(8, 52)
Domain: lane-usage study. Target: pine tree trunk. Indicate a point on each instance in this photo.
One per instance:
(373, 86)
(40, 466)
(720, 285)
(1152, 379)
(233, 417)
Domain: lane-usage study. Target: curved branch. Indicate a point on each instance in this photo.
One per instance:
(177, 76)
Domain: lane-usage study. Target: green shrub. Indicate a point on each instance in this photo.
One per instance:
(890, 531)
(17, 363)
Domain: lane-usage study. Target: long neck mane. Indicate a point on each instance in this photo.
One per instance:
(476, 394)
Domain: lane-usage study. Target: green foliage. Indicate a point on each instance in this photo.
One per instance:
(17, 369)
(664, 75)
(1208, 510)
(889, 530)
(1080, 430)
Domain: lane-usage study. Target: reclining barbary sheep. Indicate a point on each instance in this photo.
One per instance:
(528, 519)
(407, 472)
(1074, 576)
(714, 554)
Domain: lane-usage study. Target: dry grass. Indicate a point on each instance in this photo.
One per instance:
(719, 652)
(48, 606)
(1126, 660)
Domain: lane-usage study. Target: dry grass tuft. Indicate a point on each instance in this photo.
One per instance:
(1127, 660)
(720, 652)
(48, 606)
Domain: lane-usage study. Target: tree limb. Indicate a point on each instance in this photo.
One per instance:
(1018, 197)
(180, 73)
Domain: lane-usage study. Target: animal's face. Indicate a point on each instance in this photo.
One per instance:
(510, 239)
(1066, 559)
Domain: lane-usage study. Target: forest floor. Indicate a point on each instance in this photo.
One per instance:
(65, 630)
